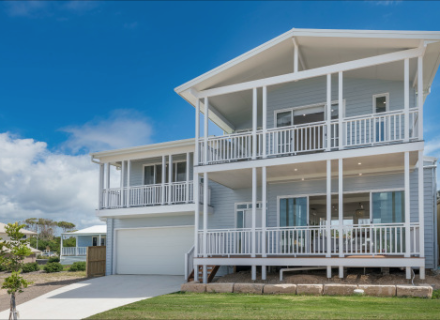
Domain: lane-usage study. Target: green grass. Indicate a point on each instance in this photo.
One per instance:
(239, 306)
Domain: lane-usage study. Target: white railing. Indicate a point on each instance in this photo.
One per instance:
(74, 251)
(364, 130)
(189, 262)
(146, 195)
(371, 239)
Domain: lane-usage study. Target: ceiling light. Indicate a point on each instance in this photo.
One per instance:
(304, 115)
(295, 169)
(360, 174)
(302, 179)
(360, 211)
(359, 163)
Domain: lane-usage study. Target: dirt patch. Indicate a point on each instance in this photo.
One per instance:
(353, 276)
(43, 283)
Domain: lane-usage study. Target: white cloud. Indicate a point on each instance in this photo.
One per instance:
(385, 2)
(35, 182)
(124, 128)
(25, 8)
(38, 9)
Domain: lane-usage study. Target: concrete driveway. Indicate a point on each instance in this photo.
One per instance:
(88, 297)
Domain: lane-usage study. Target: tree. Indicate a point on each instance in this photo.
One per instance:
(32, 224)
(46, 228)
(16, 250)
(66, 226)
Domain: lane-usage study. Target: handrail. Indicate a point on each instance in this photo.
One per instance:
(189, 262)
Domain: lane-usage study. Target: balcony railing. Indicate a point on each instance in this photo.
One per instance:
(151, 195)
(372, 239)
(74, 251)
(359, 131)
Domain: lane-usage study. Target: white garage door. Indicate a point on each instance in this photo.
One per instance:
(153, 250)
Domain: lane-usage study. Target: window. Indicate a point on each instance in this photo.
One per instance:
(153, 173)
(293, 212)
(284, 119)
(244, 215)
(297, 116)
(102, 240)
(94, 241)
(380, 103)
(388, 207)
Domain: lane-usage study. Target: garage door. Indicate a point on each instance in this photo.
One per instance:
(153, 250)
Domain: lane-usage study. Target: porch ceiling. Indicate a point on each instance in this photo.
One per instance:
(378, 164)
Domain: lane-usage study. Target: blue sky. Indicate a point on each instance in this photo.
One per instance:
(85, 76)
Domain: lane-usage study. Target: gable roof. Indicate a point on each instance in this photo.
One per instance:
(93, 230)
(24, 231)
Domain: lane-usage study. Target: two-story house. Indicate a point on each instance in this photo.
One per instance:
(321, 163)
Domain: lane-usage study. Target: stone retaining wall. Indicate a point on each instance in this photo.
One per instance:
(311, 289)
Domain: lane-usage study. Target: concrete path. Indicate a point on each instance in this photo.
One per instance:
(88, 297)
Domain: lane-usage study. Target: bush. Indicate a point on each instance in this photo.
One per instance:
(40, 256)
(3, 267)
(78, 266)
(53, 267)
(436, 294)
(54, 259)
(30, 267)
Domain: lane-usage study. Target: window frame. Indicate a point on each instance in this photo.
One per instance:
(248, 207)
(166, 171)
(387, 102)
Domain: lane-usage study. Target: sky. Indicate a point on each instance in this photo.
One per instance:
(78, 77)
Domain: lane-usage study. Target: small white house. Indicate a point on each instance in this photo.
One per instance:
(88, 237)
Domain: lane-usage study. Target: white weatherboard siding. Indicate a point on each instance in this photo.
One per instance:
(153, 250)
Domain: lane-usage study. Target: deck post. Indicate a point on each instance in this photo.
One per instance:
(107, 184)
(187, 178)
(197, 138)
(329, 272)
(406, 98)
(170, 179)
(254, 212)
(263, 211)
(254, 123)
(164, 165)
(420, 96)
(99, 240)
(264, 151)
(340, 112)
(341, 272)
(61, 246)
(329, 208)
(101, 186)
(421, 207)
(263, 272)
(341, 208)
(407, 207)
(122, 183)
(205, 213)
(205, 132)
(128, 182)
(196, 187)
(329, 111)
(205, 274)
(254, 272)
(408, 273)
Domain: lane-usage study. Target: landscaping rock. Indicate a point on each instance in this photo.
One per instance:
(256, 288)
(414, 291)
(310, 289)
(220, 287)
(378, 290)
(279, 288)
(339, 289)
(193, 287)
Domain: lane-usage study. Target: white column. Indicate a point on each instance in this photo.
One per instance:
(341, 272)
(420, 96)
(329, 111)
(254, 211)
(253, 273)
(406, 97)
(196, 148)
(263, 272)
(128, 182)
(164, 174)
(329, 207)
(340, 111)
(254, 123)
(205, 144)
(407, 207)
(187, 177)
(295, 57)
(263, 210)
(205, 213)
(122, 183)
(107, 184)
(329, 272)
(196, 186)
(341, 207)
(61, 246)
(99, 240)
(101, 186)
(170, 179)
(205, 274)
(264, 121)
(76, 246)
(421, 205)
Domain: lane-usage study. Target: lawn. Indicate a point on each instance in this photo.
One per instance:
(238, 306)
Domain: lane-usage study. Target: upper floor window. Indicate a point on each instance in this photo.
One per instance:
(153, 173)
(303, 115)
(381, 103)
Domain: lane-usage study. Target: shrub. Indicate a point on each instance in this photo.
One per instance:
(53, 267)
(40, 256)
(30, 267)
(78, 266)
(436, 294)
(3, 267)
(54, 259)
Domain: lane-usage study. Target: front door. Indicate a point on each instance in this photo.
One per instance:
(293, 214)
(94, 241)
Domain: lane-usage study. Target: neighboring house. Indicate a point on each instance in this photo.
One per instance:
(88, 237)
(321, 163)
(27, 234)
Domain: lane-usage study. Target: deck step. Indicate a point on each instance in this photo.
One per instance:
(211, 270)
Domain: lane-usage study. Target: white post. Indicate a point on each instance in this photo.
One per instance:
(329, 111)
(196, 186)
(295, 57)
(76, 246)
(205, 213)
(99, 240)
(340, 111)
(254, 123)
(205, 274)
(264, 151)
(263, 210)
(420, 96)
(254, 211)
(164, 176)
(128, 182)
(205, 145)
(341, 207)
(170, 179)
(196, 148)
(107, 184)
(187, 177)
(101, 186)
(407, 208)
(406, 99)
(122, 183)
(421, 206)
(329, 207)
(61, 246)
